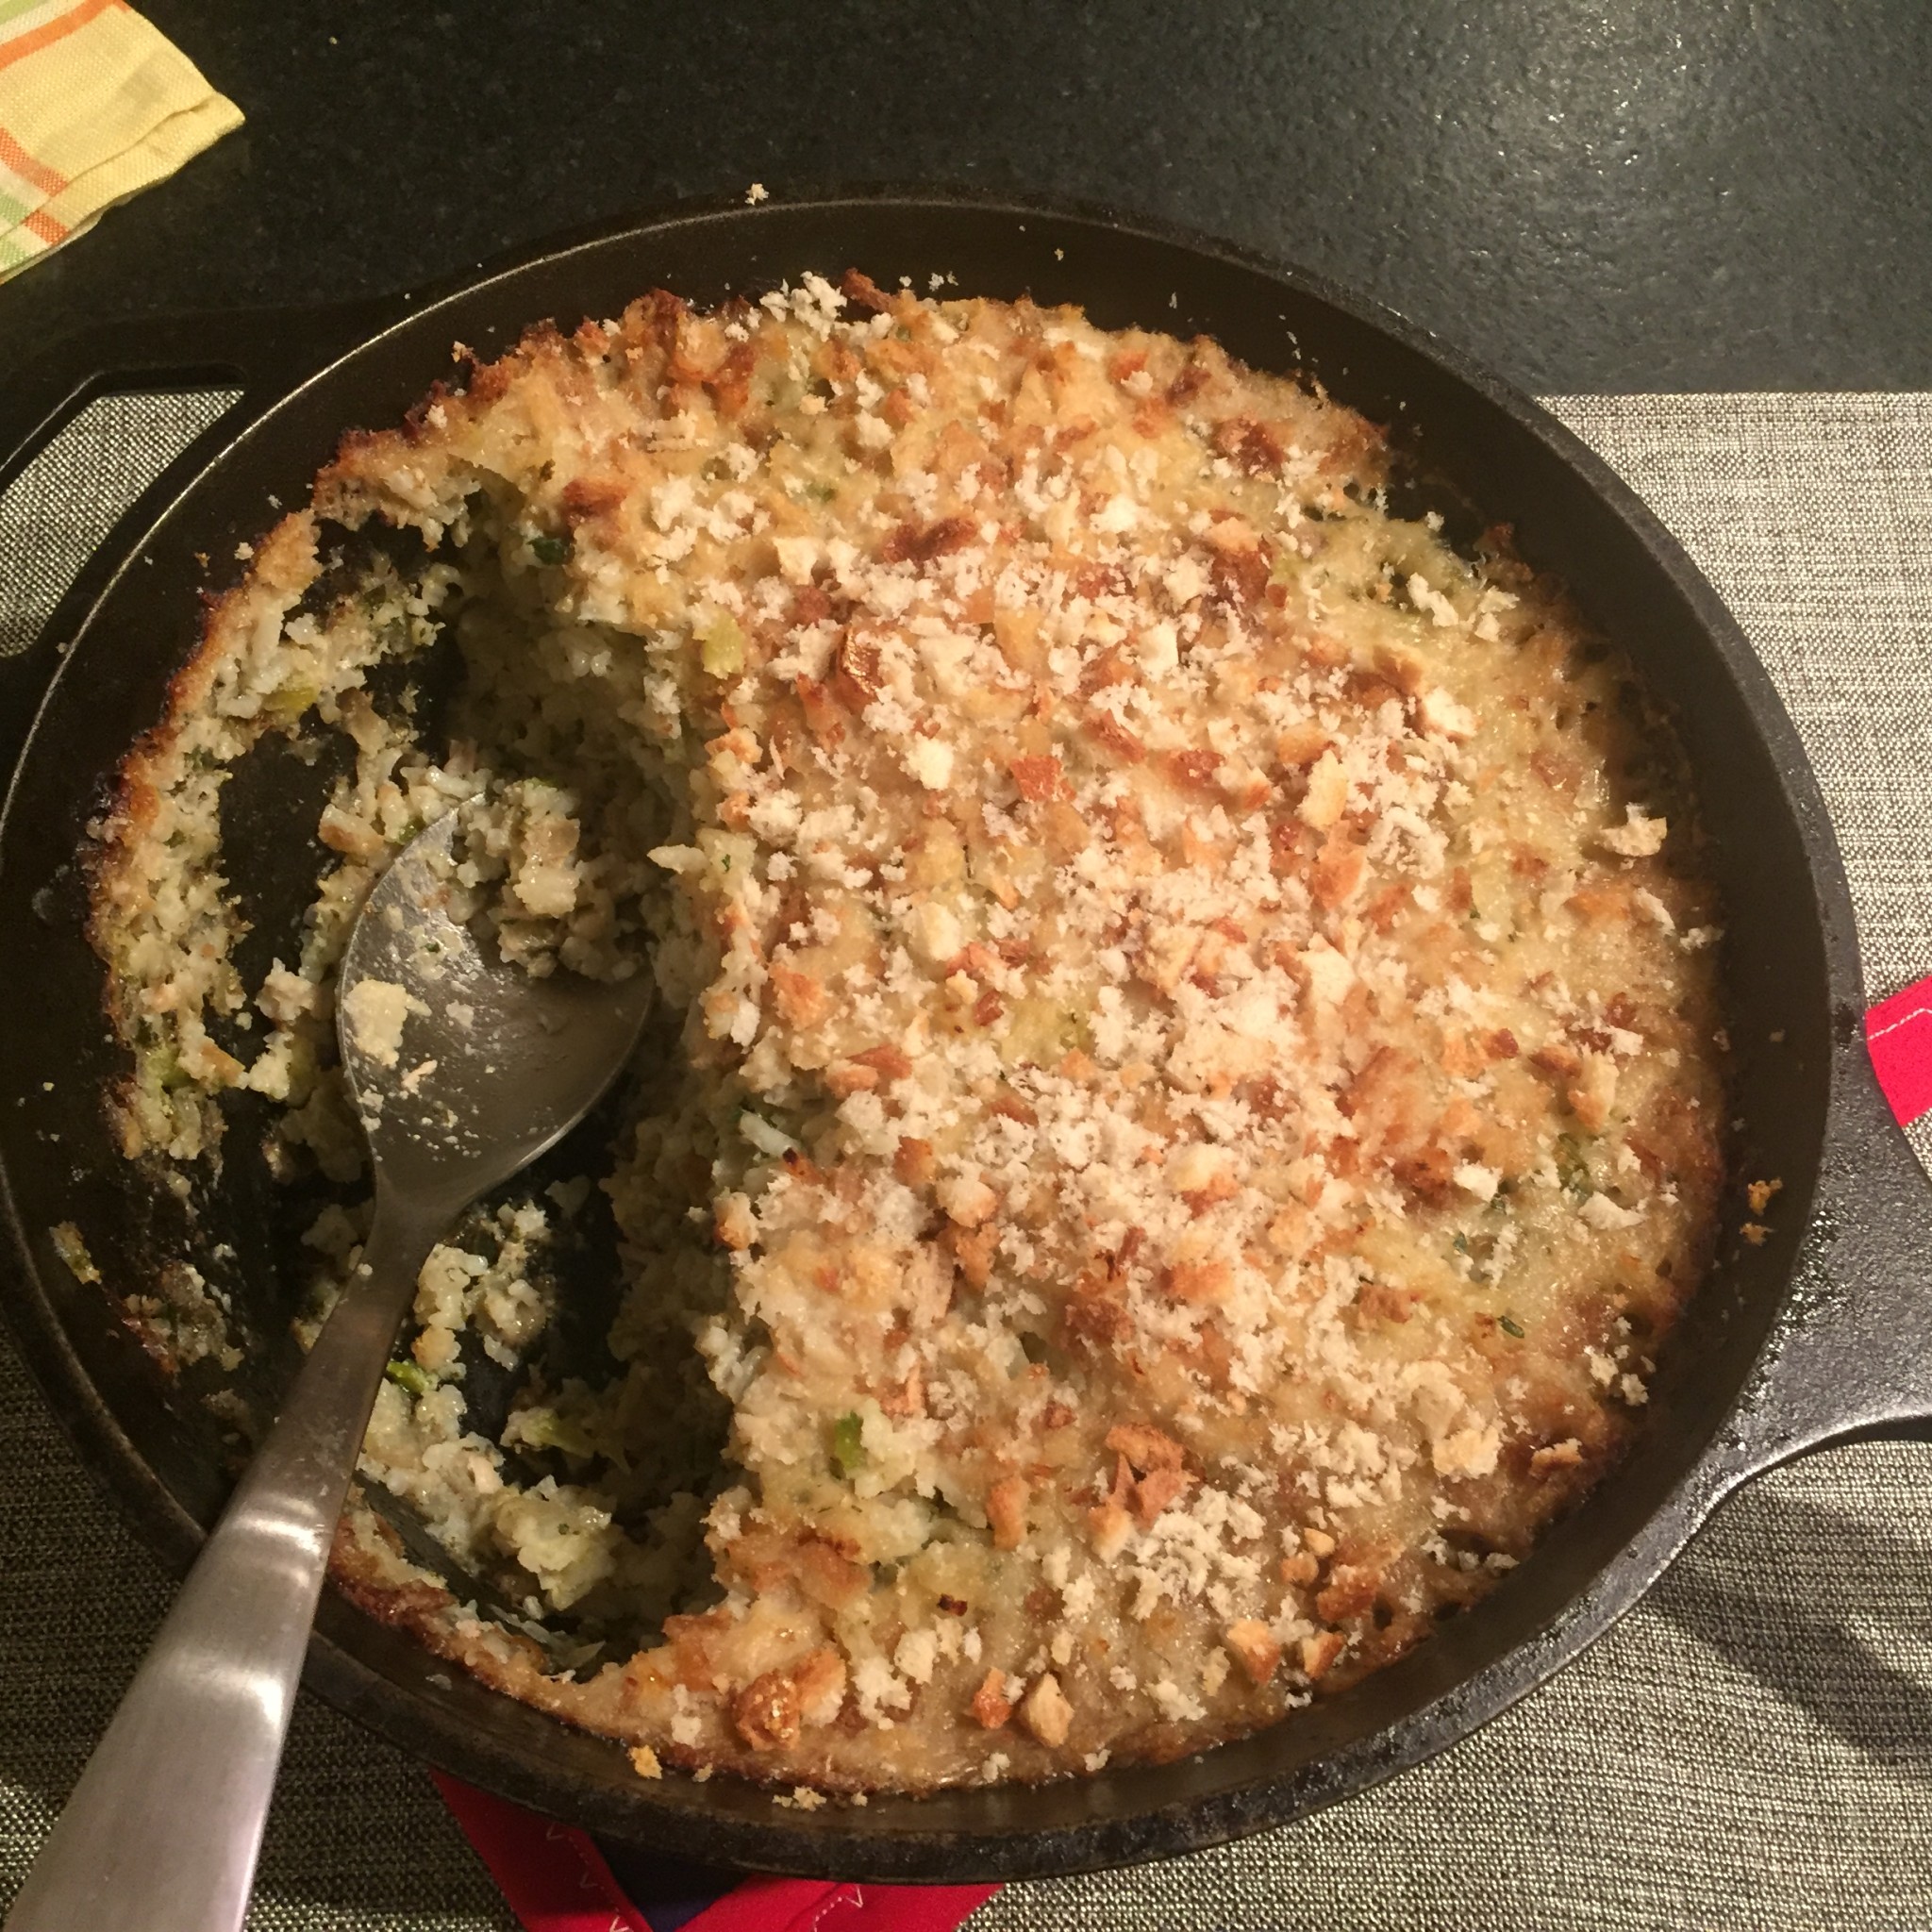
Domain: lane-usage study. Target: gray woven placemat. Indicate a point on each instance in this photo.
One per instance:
(1751, 1747)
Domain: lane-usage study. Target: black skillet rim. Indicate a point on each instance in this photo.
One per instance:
(1010, 1847)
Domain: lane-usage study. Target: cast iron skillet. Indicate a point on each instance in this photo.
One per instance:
(1822, 1334)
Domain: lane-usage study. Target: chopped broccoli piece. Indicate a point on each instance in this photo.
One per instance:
(409, 1376)
(848, 1446)
(547, 1429)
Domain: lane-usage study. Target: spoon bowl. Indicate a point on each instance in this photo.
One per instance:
(464, 1068)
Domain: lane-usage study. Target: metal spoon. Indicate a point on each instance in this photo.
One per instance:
(492, 1068)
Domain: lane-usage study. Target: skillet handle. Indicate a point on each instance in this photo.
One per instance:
(40, 400)
(262, 353)
(1853, 1355)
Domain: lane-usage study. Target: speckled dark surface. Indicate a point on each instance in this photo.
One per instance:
(1590, 198)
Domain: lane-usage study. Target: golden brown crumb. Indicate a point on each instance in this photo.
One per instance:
(765, 1713)
(1317, 1652)
(735, 1226)
(1006, 1509)
(991, 1707)
(1145, 1448)
(1045, 1711)
(1256, 1648)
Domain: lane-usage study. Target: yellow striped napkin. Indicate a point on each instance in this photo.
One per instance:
(95, 104)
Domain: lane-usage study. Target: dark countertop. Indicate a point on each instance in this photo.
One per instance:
(1712, 196)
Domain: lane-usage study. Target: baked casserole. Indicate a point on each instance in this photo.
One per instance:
(1187, 1084)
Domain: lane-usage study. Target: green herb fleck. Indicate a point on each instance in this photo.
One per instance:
(550, 550)
(1460, 1244)
(848, 1446)
(547, 1429)
(821, 493)
(407, 1375)
(1573, 1170)
(1511, 1326)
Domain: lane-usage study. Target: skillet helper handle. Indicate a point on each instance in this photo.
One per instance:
(40, 399)
(262, 354)
(261, 351)
(164, 1829)
(1855, 1357)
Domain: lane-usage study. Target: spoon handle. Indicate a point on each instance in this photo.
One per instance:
(163, 1828)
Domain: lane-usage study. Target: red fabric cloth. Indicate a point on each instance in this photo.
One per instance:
(555, 1879)
(1898, 1035)
(551, 1877)
(803, 1905)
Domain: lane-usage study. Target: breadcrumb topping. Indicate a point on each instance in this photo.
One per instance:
(1197, 1015)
